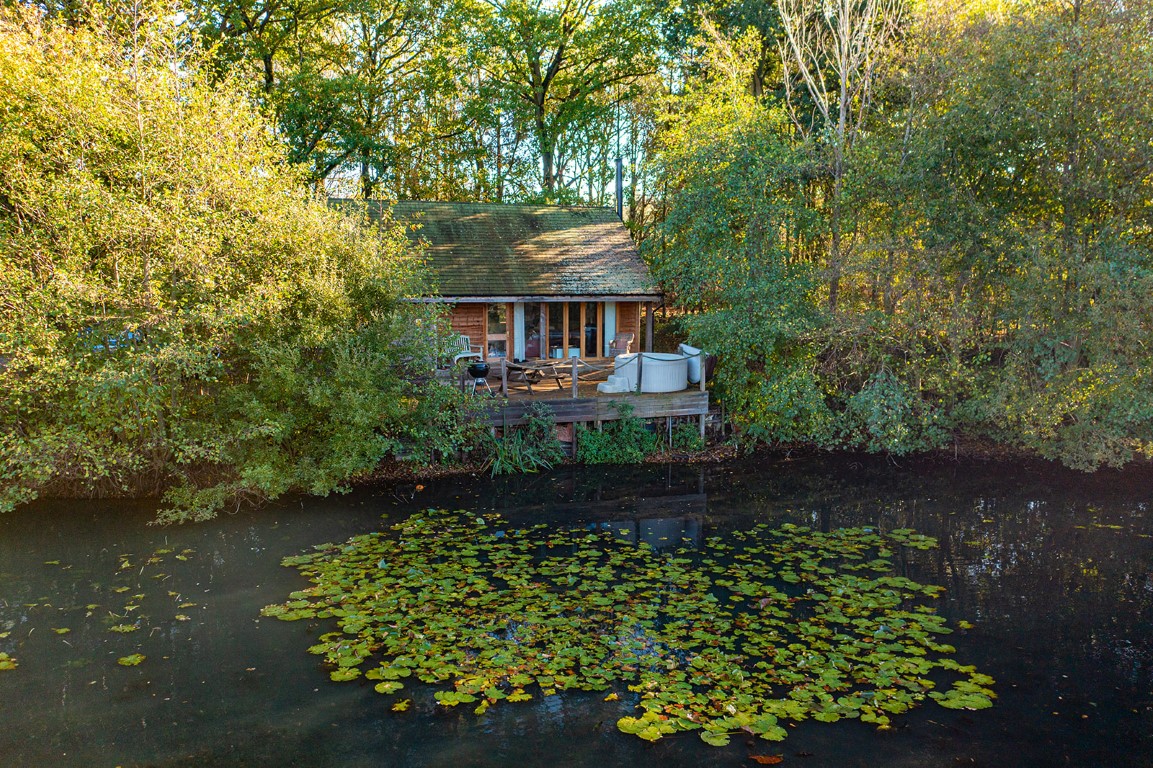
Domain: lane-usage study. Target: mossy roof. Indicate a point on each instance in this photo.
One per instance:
(491, 249)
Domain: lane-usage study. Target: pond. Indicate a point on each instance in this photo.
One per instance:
(1054, 569)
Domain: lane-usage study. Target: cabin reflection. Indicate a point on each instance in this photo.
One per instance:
(660, 533)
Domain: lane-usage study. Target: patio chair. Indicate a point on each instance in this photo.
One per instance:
(464, 349)
(620, 344)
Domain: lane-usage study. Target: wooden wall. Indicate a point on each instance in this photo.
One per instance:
(629, 315)
(470, 319)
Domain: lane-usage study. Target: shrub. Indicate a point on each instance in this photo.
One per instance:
(624, 441)
(528, 447)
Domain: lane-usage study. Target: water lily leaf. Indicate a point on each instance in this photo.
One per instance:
(131, 660)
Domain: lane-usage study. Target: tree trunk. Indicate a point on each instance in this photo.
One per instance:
(269, 74)
(367, 185)
(547, 154)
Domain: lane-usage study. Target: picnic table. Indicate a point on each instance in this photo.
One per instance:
(534, 372)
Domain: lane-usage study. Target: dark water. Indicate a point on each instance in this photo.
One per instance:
(1054, 568)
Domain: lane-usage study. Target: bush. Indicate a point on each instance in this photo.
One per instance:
(687, 437)
(528, 447)
(176, 311)
(624, 441)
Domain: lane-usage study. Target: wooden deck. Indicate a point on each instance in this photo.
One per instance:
(597, 408)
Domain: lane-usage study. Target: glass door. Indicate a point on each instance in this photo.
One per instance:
(497, 335)
(592, 327)
(556, 315)
(534, 332)
(573, 331)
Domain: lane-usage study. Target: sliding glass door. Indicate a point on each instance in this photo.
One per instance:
(561, 329)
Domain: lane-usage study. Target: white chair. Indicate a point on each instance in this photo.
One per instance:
(466, 350)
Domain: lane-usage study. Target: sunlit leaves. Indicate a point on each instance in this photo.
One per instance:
(751, 631)
(163, 283)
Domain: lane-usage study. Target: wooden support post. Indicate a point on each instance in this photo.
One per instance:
(504, 377)
(640, 369)
(575, 379)
(703, 415)
(648, 326)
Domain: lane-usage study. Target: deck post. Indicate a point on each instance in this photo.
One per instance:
(702, 359)
(648, 326)
(504, 377)
(640, 369)
(574, 381)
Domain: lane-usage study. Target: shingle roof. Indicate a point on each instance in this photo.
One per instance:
(490, 249)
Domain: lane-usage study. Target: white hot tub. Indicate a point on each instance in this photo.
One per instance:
(663, 371)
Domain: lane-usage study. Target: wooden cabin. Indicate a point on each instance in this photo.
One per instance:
(534, 281)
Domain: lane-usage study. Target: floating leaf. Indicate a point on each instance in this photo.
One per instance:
(131, 660)
(388, 686)
(715, 739)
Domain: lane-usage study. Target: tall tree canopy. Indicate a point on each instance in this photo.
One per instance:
(558, 65)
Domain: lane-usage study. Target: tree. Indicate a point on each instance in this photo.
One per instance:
(176, 312)
(731, 252)
(832, 47)
(555, 65)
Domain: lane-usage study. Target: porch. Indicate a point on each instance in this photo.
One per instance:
(573, 398)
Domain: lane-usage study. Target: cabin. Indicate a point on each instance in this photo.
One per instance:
(533, 282)
(544, 283)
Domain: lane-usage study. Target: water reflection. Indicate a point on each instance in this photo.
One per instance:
(1055, 568)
